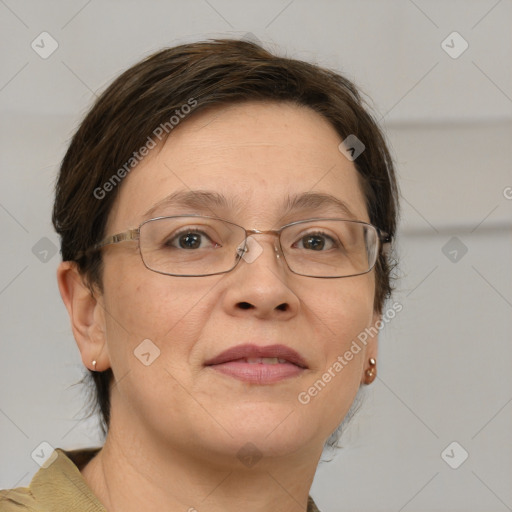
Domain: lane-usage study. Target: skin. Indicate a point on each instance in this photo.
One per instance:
(176, 426)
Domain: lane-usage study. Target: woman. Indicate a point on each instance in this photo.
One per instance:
(223, 215)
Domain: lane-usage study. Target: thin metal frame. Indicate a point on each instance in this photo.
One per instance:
(134, 234)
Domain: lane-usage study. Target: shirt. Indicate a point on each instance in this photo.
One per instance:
(60, 487)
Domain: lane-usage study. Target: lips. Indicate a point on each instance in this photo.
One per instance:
(251, 353)
(259, 365)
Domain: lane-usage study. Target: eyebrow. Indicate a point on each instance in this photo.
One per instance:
(206, 200)
(202, 200)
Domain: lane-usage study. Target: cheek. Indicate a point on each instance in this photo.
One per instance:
(348, 317)
(341, 315)
(169, 311)
(346, 310)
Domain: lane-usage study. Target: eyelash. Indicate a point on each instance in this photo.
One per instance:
(190, 230)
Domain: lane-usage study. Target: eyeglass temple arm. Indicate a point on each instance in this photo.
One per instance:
(385, 243)
(385, 238)
(131, 234)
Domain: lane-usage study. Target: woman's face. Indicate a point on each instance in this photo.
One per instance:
(256, 155)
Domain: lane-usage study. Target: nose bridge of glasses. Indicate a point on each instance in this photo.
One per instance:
(269, 233)
(249, 233)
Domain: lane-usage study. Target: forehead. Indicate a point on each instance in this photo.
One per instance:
(258, 161)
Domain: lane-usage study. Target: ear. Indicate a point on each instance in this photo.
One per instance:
(87, 316)
(372, 345)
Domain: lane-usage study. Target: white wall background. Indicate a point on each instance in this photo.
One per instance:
(445, 360)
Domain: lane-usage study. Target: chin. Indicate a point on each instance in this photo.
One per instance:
(274, 431)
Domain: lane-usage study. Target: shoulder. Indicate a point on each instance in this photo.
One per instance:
(17, 500)
(57, 483)
(311, 505)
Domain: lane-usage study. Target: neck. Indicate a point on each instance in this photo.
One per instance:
(133, 473)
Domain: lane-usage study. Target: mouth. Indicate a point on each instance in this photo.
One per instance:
(259, 365)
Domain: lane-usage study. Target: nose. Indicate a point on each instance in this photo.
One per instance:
(259, 285)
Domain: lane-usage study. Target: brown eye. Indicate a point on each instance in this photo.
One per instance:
(316, 242)
(313, 242)
(190, 241)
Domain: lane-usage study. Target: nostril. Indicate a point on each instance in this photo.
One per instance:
(245, 305)
(282, 307)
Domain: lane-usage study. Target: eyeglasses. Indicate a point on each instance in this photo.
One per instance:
(196, 245)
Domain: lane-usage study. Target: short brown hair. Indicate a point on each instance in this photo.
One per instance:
(212, 73)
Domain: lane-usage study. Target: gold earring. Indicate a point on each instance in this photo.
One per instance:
(371, 372)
